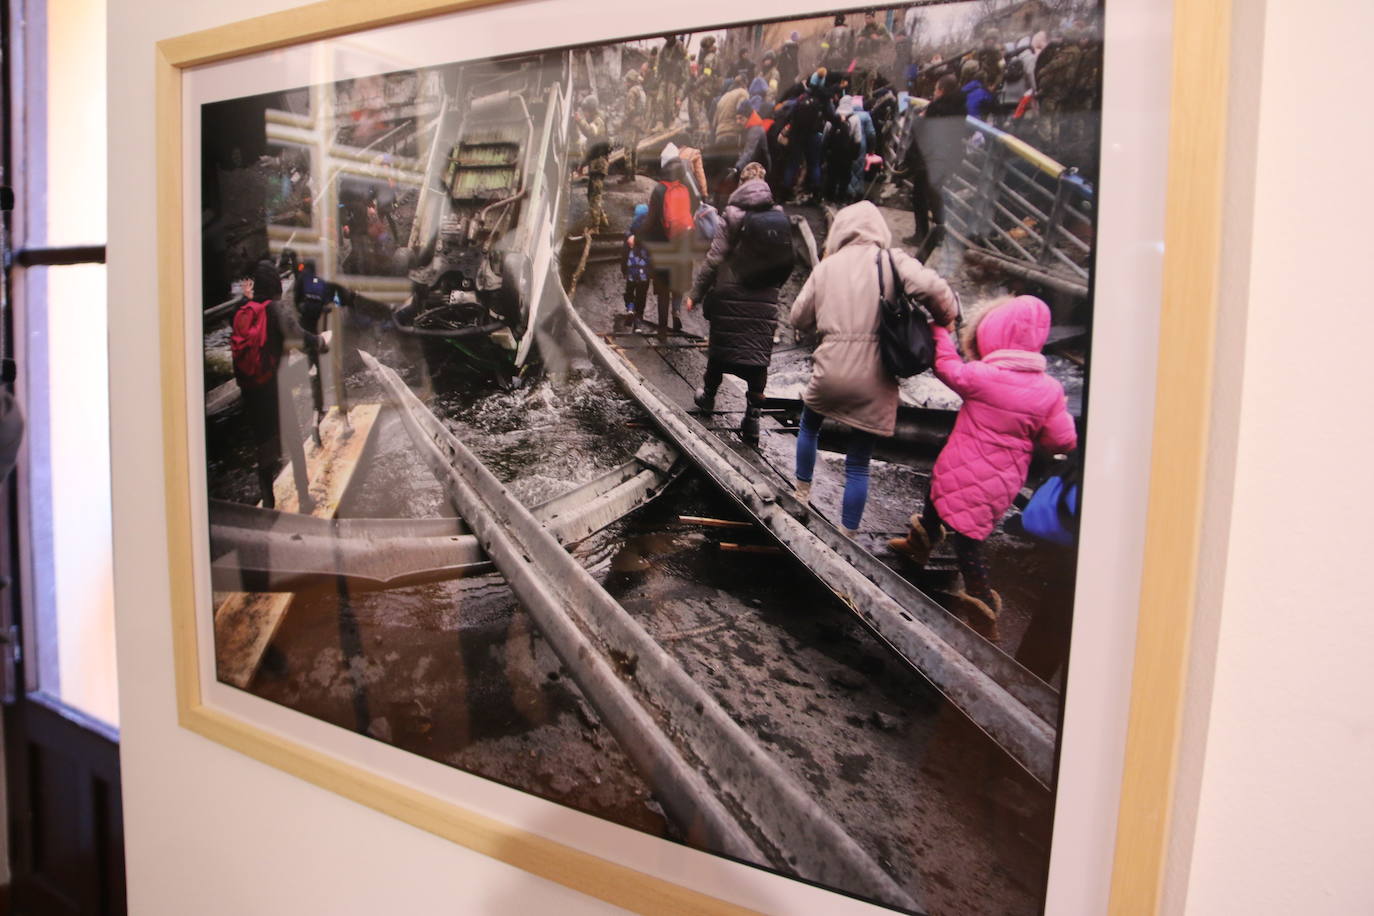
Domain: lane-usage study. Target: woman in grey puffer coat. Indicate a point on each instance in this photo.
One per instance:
(749, 260)
(848, 381)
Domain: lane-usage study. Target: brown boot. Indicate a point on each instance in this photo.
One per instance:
(917, 544)
(980, 615)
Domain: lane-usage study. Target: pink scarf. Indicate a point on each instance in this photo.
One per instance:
(1016, 360)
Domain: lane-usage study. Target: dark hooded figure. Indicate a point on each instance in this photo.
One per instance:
(810, 111)
(738, 285)
(789, 63)
(934, 153)
(744, 67)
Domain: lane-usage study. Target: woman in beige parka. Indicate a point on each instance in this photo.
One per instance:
(848, 382)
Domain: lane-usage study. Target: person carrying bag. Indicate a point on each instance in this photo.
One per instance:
(906, 344)
(840, 303)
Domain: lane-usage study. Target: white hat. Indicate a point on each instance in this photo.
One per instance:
(670, 152)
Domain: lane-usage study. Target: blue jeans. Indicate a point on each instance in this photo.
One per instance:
(855, 464)
(805, 152)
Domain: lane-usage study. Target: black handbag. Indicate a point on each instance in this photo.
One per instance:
(905, 341)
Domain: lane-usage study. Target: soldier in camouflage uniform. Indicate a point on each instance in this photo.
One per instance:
(837, 46)
(672, 77)
(873, 41)
(1084, 99)
(591, 124)
(991, 60)
(704, 89)
(650, 71)
(636, 119)
(1056, 80)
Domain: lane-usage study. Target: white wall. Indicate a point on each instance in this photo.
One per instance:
(1278, 767)
(1283, 789)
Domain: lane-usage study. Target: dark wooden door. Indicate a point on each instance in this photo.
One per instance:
(66, 820)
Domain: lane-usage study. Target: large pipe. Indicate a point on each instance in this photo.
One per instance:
(1015, 268)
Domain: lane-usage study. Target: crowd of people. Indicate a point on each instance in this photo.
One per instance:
(836, 123)
(713, 234)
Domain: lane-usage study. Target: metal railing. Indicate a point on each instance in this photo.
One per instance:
(1012, 203)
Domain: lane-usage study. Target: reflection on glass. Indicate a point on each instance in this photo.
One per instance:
(457, 501)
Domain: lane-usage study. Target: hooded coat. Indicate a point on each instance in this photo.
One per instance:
(754, 147)
(742, 319)
(1010, 407)
(978, 101)
(726, 130)
(840, 303)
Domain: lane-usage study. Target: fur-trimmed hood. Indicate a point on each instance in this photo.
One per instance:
(1004, 323)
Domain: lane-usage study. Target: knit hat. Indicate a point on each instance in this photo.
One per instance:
(970, 71)
(744, 109)
(751, 171)
(670, 154)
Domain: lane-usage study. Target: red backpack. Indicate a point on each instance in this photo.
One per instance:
(252, 363)
(677, 209)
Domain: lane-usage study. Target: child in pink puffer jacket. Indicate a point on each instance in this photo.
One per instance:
(1010, 407)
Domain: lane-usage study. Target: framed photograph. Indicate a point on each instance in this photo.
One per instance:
(715, 459)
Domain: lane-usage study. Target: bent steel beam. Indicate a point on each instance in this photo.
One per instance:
(263, 550)
(1002, 698)
(716, 781)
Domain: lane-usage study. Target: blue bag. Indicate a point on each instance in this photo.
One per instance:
(1052, 513)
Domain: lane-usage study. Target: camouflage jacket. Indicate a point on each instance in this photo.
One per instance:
(872, 39)
(636, 109)
(707, 79)
(672, 64)
(595, 142)
(1056, 75)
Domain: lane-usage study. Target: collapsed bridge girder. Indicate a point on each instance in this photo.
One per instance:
(263, 550)
(1012, 706)
(723, 789)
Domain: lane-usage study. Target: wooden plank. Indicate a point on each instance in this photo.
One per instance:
(766, 549)
(245, 622)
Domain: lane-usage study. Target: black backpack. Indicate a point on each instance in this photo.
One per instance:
(905, 341)
(806, 113)
(763, 254)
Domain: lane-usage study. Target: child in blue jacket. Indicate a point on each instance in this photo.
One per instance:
(636, 268)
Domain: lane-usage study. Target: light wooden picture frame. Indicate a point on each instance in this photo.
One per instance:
(1200, 41)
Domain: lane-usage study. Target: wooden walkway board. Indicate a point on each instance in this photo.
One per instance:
(244, 622)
